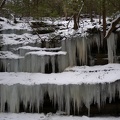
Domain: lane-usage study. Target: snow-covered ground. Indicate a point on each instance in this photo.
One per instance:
(28, 116)
(74, 75)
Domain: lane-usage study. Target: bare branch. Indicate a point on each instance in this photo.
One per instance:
(80, 12)
(69, 20)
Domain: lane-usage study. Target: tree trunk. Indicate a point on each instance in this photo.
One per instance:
(75, 21)
(91, 4)
(65, 12)
(100, 11)
(104, 17)
(78, 17)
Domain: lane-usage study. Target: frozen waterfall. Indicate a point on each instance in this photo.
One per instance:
(79, 48)
(66, 97)
(74, 50)
(37, 61)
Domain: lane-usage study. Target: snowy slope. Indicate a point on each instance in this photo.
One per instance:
(25, 38)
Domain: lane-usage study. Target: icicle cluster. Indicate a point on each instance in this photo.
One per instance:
(67, 97)
(78, 49)
(35, 62)
(11, 64)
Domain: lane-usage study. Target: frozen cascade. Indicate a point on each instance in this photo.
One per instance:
(40, 60)
(111, 45)
(10, 62)
(78, 48)
(67, 97)
(82, 51)
(77, 51)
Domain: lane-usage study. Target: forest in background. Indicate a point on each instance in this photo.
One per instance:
(60, 8)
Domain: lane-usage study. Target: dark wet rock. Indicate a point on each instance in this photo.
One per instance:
(1, 19)
(43, 30)
(14, 31)
(1, 26)
(38, 24)
(93, 30)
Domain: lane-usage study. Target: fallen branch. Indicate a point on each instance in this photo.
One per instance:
(69, 21)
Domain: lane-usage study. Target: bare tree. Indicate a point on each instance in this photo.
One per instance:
(76, 11)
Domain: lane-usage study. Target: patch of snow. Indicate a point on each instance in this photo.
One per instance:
(8, 54)
(42, 53)
(38, 48)
(29, 116)
(13, 39)
(7, 25)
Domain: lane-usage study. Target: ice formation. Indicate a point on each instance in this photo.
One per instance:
(111, 45)
(78, 48)
(67, 97)
(39, 61)
(10, 62)
(76, 51)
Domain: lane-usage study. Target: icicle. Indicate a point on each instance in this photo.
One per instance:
(82, 50)
(52, 60)
(67, 99)
(96, 39)
(43, 63)
(14, 100)
(70, 47)
(111, 48)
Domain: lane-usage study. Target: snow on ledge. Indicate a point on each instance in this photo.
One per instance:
(76, 75)
(42, 53)
(38, 48)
